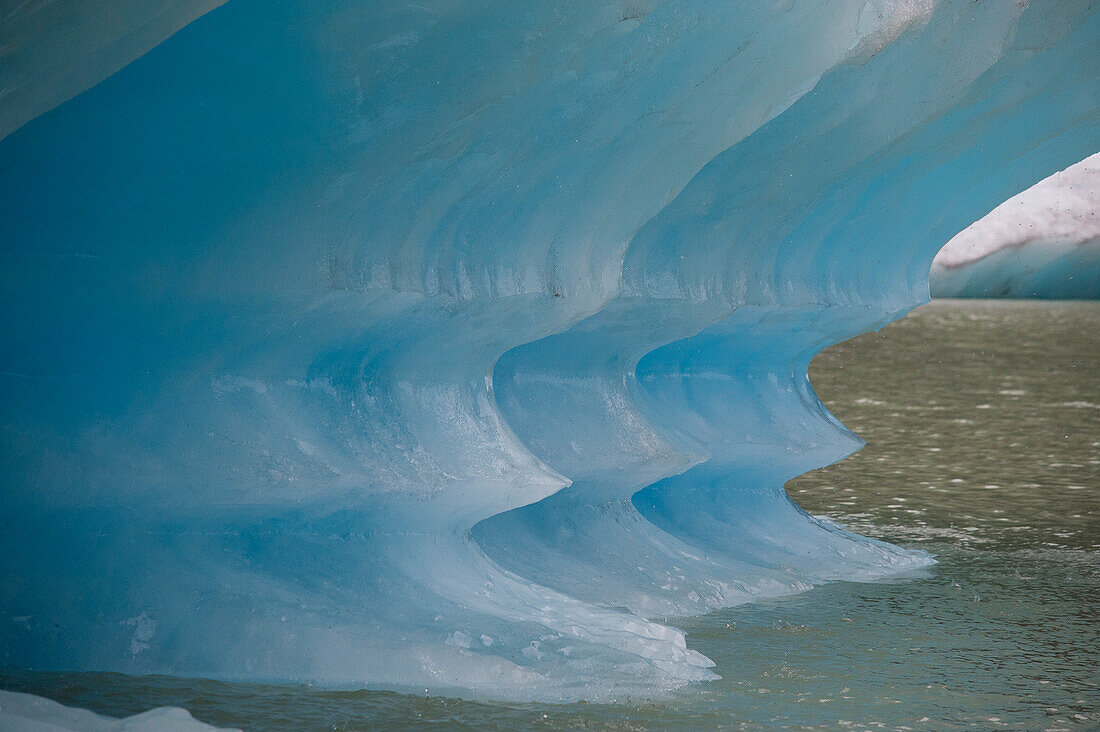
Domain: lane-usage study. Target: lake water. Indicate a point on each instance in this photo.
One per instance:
(983, 426)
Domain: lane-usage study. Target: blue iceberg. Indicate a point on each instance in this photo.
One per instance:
(454, 346)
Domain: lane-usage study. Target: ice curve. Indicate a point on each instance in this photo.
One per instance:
(445, 346)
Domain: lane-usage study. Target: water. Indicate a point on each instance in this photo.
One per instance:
(983, 428)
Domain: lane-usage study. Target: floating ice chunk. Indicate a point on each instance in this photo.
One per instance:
(1044, 242)
(29, 713)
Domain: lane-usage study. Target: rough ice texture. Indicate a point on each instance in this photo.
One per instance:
(1044, 242)
(450, 345)
(28, 713)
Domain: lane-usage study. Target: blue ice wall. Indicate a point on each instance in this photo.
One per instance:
(447, 345)
(54, 51)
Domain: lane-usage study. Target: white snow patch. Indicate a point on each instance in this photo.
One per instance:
(144, 629)
(1059, 209)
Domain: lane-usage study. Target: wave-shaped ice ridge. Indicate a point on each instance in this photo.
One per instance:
(455, 345)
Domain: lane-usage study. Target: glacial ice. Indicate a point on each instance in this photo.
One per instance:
(1044, 242)
(450, 346)
(28, 713)
(53, 51)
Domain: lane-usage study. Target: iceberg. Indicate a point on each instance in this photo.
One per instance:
(1044, 243)
(457, 346)
(28, 713)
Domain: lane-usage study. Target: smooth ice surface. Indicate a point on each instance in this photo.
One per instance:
(51, 51)
(29, 713)
(455, 346)
(1044, 242)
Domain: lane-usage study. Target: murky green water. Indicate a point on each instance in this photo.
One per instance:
(983, 429)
